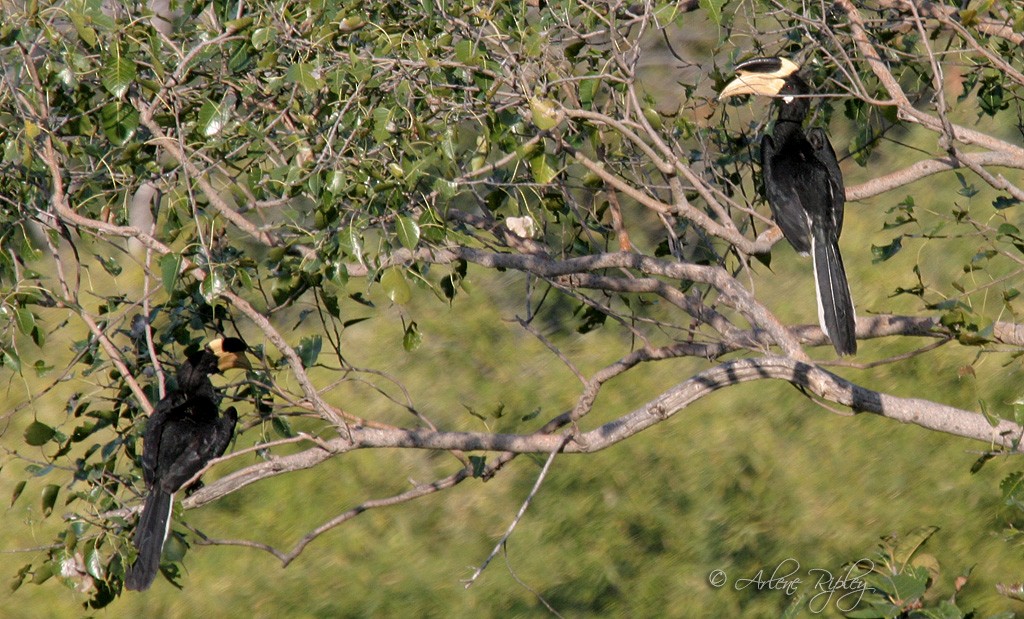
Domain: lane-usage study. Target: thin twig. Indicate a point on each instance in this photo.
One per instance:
(522, 510)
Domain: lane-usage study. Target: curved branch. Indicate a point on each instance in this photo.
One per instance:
(928, 167)
(814, 379)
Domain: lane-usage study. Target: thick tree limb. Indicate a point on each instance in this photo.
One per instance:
(813, 379)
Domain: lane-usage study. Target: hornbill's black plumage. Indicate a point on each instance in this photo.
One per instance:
(804, 188)
(184, 432)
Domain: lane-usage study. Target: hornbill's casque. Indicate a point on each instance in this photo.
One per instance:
(804, 188)
(182, 435)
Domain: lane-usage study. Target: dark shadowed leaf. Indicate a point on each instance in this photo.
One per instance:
(50, 492)
(309, 349)
(18, 489)
(38, 433)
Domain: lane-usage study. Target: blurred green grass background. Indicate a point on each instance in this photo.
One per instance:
(741, 481)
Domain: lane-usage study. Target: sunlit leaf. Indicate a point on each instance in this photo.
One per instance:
(1012, 488)
(545, 113)
(306, 76)
(214, 116)
(412, 338)
(94, 563)
(713, 8)
(350, 241)
(408, 232)
(170, 266)
(213, 286)
(25, 320)
(395, 285)
(543, 168)
(261, 36)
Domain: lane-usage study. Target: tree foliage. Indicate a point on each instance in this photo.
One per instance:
(301, 173)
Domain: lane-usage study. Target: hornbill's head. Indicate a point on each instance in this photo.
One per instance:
(773, 77)
(230, 353)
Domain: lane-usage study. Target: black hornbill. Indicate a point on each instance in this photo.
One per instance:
(184, 432)
(804, 188)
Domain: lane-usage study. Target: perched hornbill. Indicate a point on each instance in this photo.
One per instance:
(184, 432)
(804, 188)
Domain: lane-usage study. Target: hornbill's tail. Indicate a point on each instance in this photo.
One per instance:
(150, 535)
(835, 305)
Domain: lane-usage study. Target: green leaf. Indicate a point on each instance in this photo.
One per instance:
(479, 464)
(25, 319)
(309, 349)
(465, 52)
(49, 498)
(38, 433)
(282, 427)
(992, 420)
(1003, 202)
(884, 252)
(213, 285)
(86, 33)
(94, 563)
(412, 339)
(117, 73)
(666, 13)
(350, 241)
(967, 190)
(1012, 488)
(262, 36)
(306, 76)
(714, 10)
(12, 360)
(980, 462)
(44, 572)
(214, 116)
(906, 546)
(174, 548)
(543, 168)
(408, 232)
(382, 123)
(18, 489)
(110, 265)
(395, 285)
(170, 266)
(119, 122)
(545, 113)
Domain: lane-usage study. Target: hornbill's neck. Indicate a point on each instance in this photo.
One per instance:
(194, 374)
(794, 104)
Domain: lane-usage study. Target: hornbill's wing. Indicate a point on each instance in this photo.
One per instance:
(822, 194)
(783, 198)
(188, 443)
(166, 409)
(225, 429)
(827, 156)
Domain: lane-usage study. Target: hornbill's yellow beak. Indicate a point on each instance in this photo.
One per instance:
(760, 76)
(230, 353)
